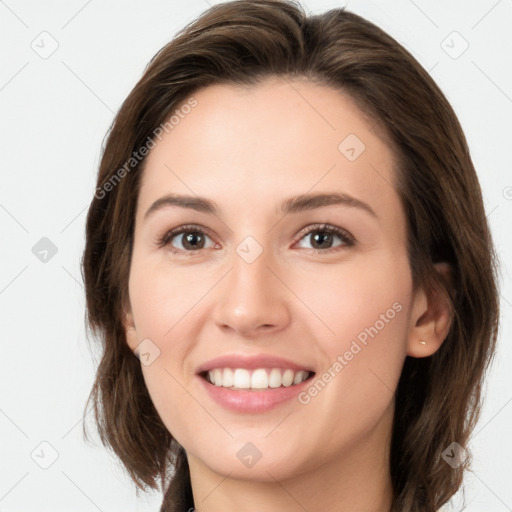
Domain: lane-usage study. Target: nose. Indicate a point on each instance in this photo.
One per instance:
(252, 299)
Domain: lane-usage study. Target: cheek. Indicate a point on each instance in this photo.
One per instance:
(363, 334)
(165, 305)
(161, 298)
(174, 402)
(363, 299)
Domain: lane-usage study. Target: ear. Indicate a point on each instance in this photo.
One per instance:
(431, 318)
(129, 328)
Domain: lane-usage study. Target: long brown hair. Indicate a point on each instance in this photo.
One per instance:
(241, 42)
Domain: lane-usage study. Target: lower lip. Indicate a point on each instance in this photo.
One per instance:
(252, 401)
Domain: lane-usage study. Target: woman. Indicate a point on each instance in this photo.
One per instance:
(290, 268)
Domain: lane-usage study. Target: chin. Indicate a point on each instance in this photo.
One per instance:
(245, 461)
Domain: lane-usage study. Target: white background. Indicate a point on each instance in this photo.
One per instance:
(54, 113)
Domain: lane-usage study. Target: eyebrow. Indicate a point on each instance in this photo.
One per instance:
(292, 205)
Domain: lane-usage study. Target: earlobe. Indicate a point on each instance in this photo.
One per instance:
(431, 318)
(130, 331)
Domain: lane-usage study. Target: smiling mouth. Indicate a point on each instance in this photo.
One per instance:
(260, 379)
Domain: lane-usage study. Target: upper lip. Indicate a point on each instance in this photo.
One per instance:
(250, 363)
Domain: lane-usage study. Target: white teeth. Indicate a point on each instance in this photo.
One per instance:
(262, 378)
(299, 377)
(288, 378)
(218, 377)
(241, 379)
(259, 379)
(275, 378)
(228, 377)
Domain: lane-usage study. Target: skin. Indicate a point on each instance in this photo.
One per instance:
(249, 149)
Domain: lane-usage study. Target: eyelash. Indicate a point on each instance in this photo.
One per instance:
(345, 237)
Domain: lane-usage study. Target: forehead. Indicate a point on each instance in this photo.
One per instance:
(281, 137)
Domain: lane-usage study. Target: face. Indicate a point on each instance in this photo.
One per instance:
(281, 289)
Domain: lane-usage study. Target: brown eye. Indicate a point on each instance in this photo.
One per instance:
(192, 240)
(185, 239)
(323, 237)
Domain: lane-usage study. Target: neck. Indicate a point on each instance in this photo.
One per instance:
(355, 479)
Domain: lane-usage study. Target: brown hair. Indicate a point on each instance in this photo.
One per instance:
(241, 42)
